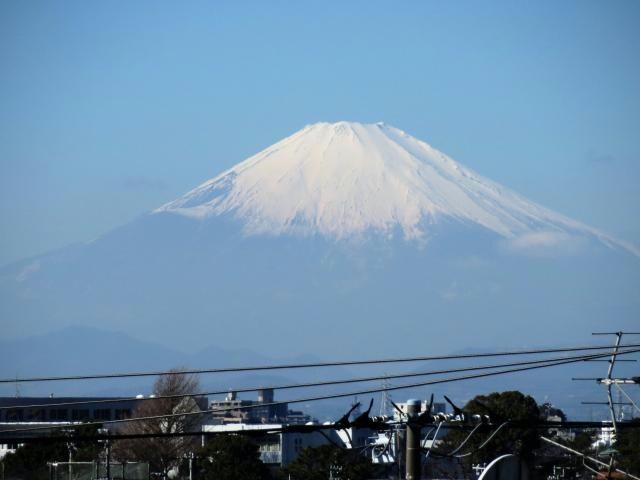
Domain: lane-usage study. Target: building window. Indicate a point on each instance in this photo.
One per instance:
(58, 415)
(79, 414)
(102, 414)
(122, 413)
(15, 415)
(270, 445)
(35, 414)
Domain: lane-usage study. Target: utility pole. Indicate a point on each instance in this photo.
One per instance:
(108, 457)
(71, 448)
(107, 445)
(413, 440)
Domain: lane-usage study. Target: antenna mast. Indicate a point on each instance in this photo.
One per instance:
(385, 400)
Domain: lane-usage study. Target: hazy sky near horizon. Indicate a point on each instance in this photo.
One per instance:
(110, 109)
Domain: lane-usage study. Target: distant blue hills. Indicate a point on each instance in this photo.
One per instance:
(82, 350)
(343, 240)
(187, 284)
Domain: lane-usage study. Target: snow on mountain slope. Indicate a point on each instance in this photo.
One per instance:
(255, 257)
(344, 179)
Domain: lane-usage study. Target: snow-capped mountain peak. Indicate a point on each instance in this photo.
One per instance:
(344, 179)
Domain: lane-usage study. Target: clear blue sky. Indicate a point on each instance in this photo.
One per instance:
(110, 109)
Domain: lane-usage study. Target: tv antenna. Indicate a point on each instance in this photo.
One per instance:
(609, 382)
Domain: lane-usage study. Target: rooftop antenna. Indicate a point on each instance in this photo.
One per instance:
(609, 381)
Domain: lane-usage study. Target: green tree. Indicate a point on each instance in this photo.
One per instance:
(30, 460)
(520, 437)
(231, 457)
(317, 463)
(582, 441)
(628, 444)
(548, 411)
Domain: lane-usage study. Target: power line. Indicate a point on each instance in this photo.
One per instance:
(308, 365)
(454, 452)
(324, 397)
(129, 436)
(302, 385)
(464, 442)
(587, 457)
(484, 444)
(78, 437)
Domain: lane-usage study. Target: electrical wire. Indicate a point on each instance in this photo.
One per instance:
(308, 365)
(635, 405)
(283, 429)
(433, 441)
(319, 397)
(586, 457)
(485, 443)
(386, 447)
(428, 433)
(304, 385)
(464, 442)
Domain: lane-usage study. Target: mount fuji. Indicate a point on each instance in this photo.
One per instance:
(345, 179)
(342, 239)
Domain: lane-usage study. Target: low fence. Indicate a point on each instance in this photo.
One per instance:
(95, 471)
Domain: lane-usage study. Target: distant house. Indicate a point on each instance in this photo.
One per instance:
(234, 410)
(43, 411)
(276, 449)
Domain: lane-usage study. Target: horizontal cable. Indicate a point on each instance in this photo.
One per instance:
(324, 397)
(75, 437)
(308, 365)
(296, 385)
(580, 454)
